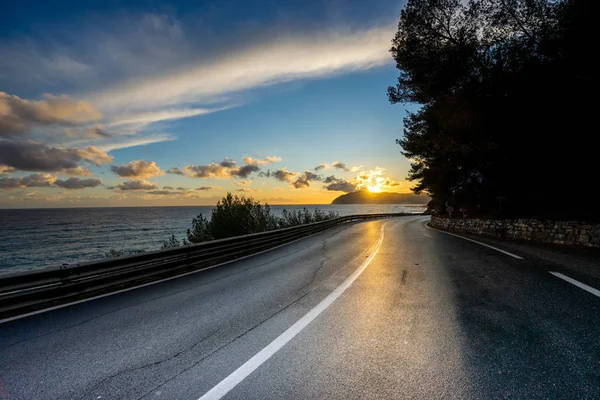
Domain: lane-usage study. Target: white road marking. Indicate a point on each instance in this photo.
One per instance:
(580, 285)
(475, 241)
(237, 376)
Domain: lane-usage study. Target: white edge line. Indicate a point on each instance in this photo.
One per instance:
(580, 285)
(237, 376)
(149, 283)
(475, 241)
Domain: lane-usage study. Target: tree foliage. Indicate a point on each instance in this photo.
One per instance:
(504, 123)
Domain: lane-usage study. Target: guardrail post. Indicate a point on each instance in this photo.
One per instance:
(65, 273)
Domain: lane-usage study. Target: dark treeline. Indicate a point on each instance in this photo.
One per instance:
(505, 124)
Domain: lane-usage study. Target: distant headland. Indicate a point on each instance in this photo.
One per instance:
(366, 197)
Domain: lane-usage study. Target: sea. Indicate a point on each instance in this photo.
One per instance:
(38, 238)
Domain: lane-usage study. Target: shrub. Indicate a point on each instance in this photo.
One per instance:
(235, 216)
(171, 243)
(304, 216)
(200, 231)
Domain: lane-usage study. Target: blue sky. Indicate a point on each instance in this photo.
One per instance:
(107, 103)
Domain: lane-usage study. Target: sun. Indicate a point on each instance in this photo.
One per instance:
(374, 188)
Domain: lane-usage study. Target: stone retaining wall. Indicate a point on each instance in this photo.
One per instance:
(558, 232)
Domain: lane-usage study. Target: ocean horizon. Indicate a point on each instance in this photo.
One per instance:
(32, 238)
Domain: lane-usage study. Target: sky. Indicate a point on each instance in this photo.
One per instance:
(144, 103)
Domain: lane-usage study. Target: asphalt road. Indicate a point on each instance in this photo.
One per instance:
(430, 316)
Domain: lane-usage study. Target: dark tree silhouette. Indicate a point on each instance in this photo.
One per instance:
(505, 124)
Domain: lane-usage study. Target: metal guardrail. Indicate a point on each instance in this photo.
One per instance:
(27, 291)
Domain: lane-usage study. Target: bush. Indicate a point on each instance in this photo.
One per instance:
(200, 231)
(294, 218)
(235, 216)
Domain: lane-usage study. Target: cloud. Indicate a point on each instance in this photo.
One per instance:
(225, 169)
(95, 132)
(27, 61)
(169, 190)
(47, 180)
(19, 115)
(310, 176)
(161, 115)
(241, 183)
(283, 175)
(137, 184)
(77, 171)
(301, 182)
(181, 188)
(180, 191)
(155, 50)
(212, 170)
(321, 166)
(244, 190)
(156, 68)
(315, 55)
(208, 188)
(138, 169)
(338, 184)
(163, 192)
(145, 42)
(132, 141)
(32, 156)
(304, 179)
(340, 166)
(77, 183)
(33, 180)
(175, 171)
(94, 155)
(227, 163)
(259, 162)
(6, 170)
(245, 171)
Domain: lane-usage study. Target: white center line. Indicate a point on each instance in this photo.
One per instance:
(577, 283)
(237, 376)
(482, 244)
